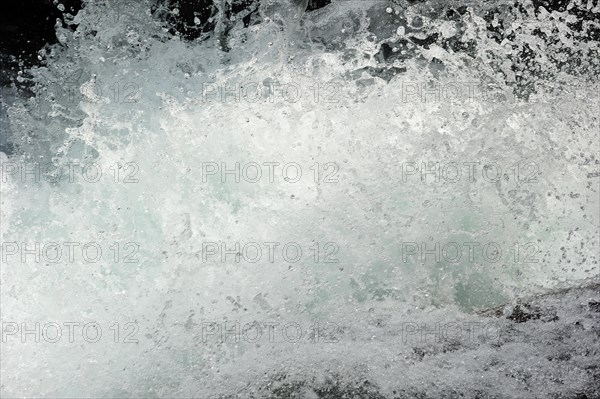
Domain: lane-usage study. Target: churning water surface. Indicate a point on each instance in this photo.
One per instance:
(366, 199)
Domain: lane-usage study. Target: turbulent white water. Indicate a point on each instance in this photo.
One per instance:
(404, 161)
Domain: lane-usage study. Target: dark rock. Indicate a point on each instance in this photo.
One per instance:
(317, 4)
(523, 313)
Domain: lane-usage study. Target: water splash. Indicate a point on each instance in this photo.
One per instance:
(374, 103)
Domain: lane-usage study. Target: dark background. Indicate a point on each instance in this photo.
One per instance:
(27, 25)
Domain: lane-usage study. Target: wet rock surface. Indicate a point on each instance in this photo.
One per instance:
(552, 340)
